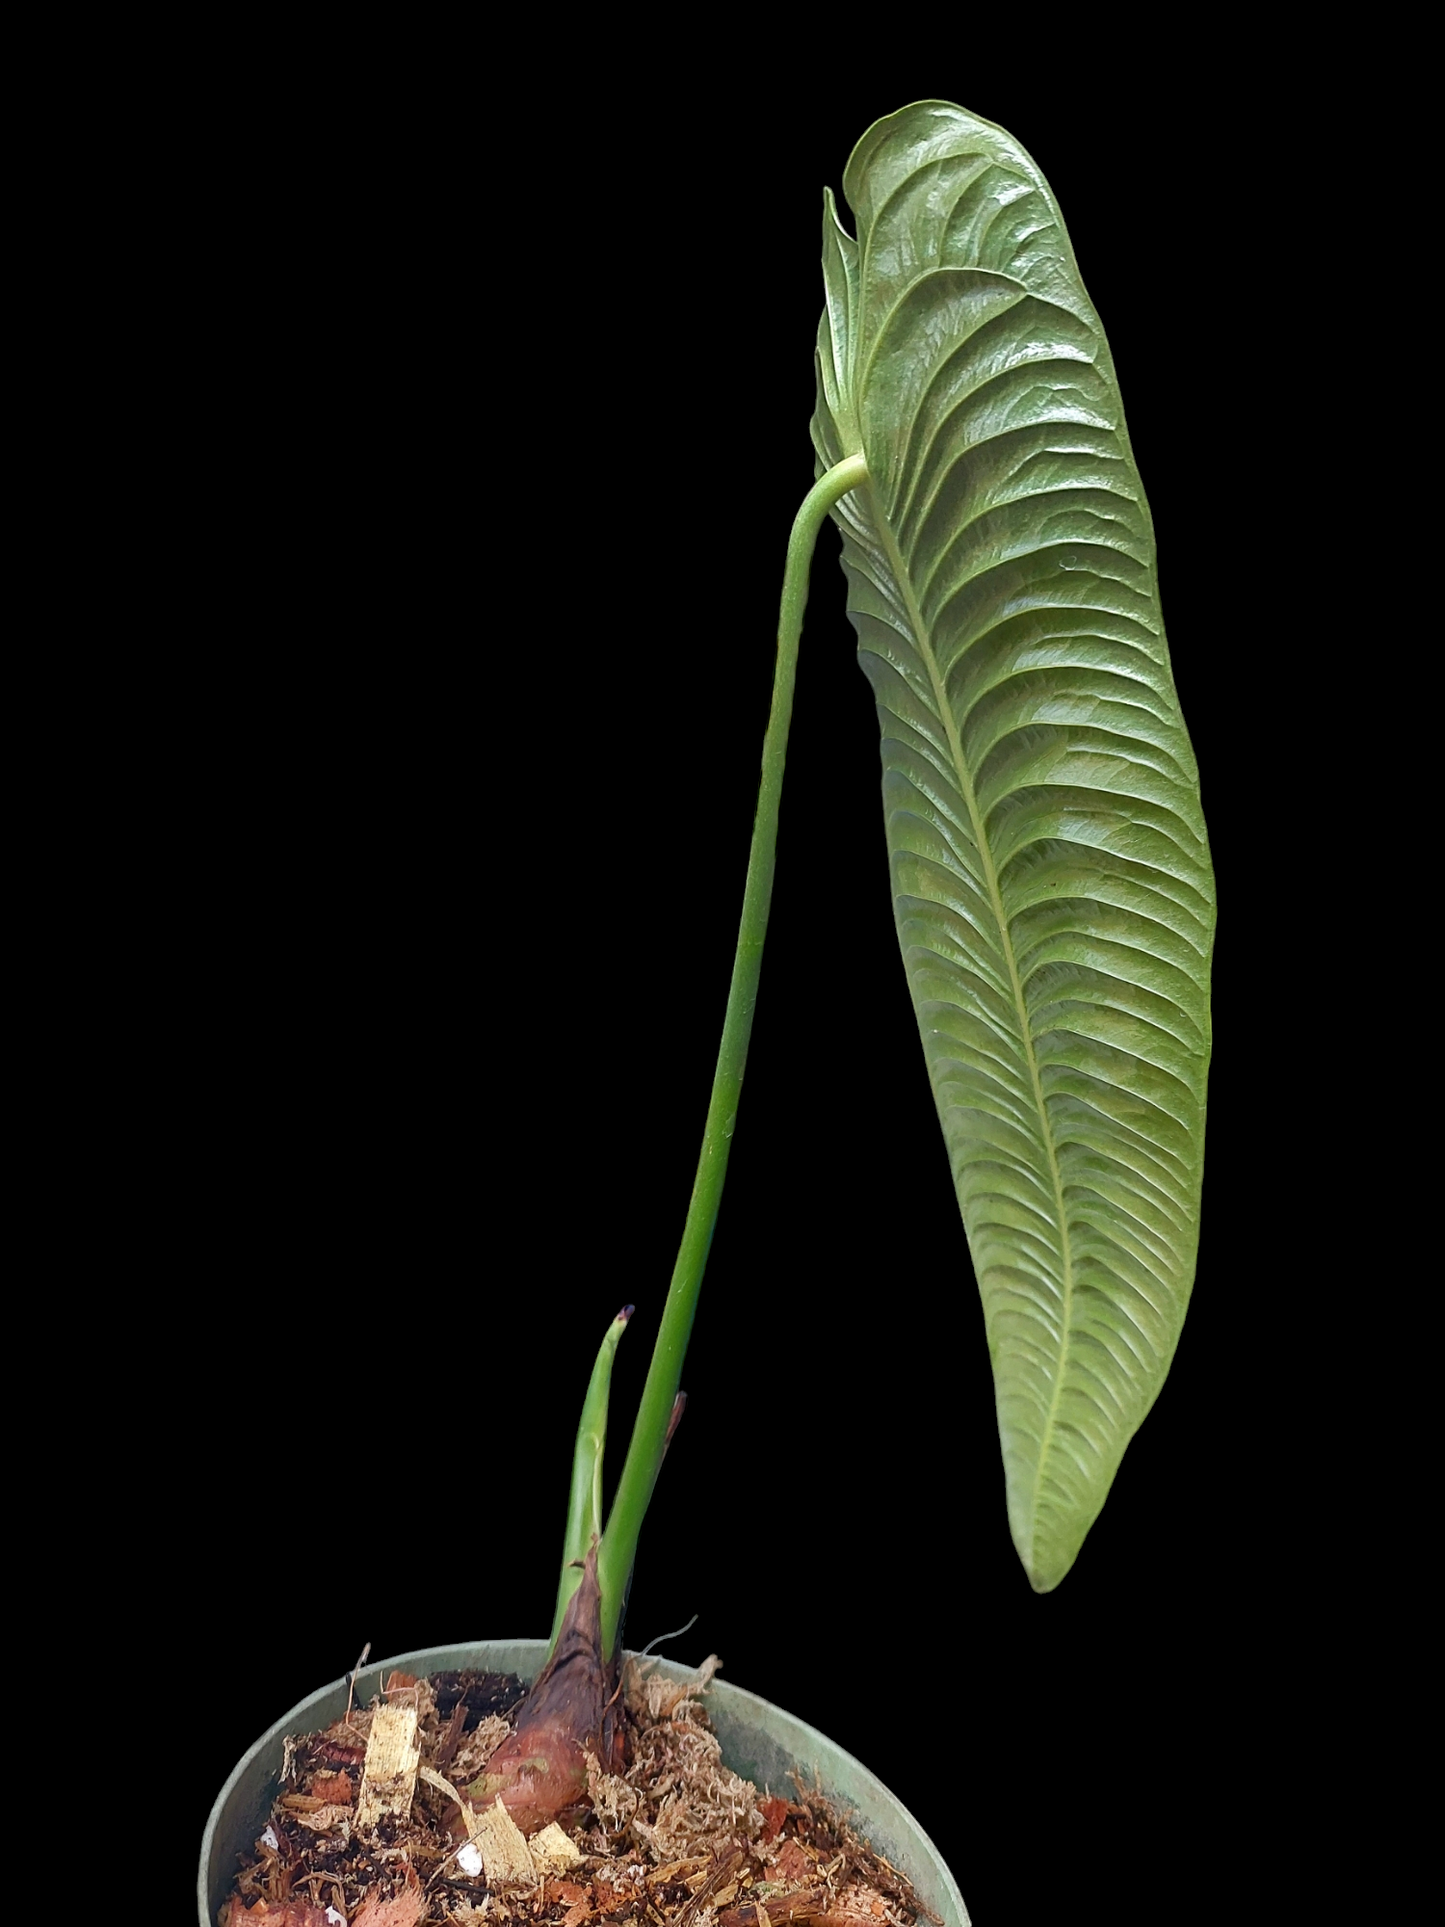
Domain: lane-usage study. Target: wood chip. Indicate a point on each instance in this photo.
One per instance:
(783, 1910)
(265, 1913)
(504, 1851)
(435, 1779)
(793, 1865)
(452, 1738)
(388, 1780)
(324, 1819)
(404, 1911)
(719, 1877)
(552, 1851)
(774, 1812)
(680, 1870)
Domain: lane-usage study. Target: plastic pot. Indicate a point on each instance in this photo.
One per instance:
(759, 1741)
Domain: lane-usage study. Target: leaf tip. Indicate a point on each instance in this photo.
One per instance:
(1047, 1573)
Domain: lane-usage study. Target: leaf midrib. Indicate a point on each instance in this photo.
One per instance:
(966, 790)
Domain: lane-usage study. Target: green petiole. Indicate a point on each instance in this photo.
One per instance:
(658, 1411)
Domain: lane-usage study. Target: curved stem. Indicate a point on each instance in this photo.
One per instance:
(649, 1436)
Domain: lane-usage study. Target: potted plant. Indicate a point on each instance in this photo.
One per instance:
(970, 447)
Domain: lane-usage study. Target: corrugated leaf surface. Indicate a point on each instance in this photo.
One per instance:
(1051, 876)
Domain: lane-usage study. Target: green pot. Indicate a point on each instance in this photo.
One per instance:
(759, 1741)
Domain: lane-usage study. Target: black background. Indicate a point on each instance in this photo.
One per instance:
(491, 722)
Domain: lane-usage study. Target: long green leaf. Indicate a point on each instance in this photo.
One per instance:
(1051, 877)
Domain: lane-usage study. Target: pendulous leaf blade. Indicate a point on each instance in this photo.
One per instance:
(1051, 876)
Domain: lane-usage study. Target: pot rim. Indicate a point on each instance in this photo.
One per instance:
(445, 1658)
